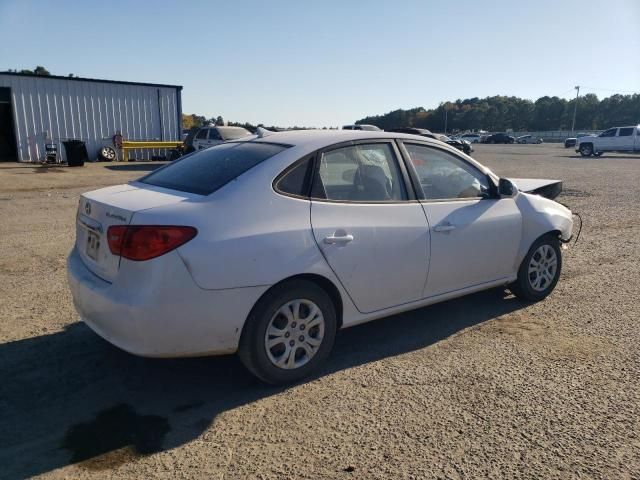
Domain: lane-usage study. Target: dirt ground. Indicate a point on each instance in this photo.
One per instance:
(479, 387)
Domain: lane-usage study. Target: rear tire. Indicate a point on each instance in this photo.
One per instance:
(289, 332)
(539, 271)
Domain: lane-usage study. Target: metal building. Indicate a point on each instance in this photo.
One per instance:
(38, 109)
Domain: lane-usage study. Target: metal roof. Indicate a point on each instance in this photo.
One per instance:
(82, 79)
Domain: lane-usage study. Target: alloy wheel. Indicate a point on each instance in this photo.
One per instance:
(543, 268)
(294, 334)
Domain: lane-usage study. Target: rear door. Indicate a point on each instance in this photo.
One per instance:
(368, 225)
(625, 139)
(474, 236)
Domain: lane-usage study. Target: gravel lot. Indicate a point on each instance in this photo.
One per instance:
(484, 386)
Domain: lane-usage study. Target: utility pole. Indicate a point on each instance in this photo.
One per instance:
(575, 109)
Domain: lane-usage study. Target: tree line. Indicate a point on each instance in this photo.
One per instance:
(191, 120)
(500, 113)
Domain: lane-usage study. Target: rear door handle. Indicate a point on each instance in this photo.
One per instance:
(444, 227)
(338, 237)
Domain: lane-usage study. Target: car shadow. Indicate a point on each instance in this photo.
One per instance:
(71, 397)
(136, 167)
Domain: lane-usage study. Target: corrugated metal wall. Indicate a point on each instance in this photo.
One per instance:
(91, 111)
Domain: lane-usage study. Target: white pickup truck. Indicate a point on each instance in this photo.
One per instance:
(618, 139)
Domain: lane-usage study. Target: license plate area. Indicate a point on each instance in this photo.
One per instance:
(93, 245)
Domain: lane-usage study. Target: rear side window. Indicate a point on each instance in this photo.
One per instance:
(295, 181)
(202, 134)
(626, 132)
(214, 135)
(205, 171)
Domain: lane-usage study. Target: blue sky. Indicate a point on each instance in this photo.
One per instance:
(326, 63)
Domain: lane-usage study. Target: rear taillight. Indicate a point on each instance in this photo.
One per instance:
(144, 242)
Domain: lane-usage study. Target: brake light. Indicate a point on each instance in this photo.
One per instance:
(144, 242)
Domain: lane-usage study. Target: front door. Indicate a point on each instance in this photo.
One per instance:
(374, 239)
(474, 235)
(606, 140)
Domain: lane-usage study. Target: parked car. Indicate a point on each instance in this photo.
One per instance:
(209, 136)
(571, 141)
(528, 139)
(499, 138)
(268, 246)
(471, 137)
(462, 145)
(370, 128)
(413, 131)
(617, 139)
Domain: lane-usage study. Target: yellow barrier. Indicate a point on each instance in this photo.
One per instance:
(132, 145)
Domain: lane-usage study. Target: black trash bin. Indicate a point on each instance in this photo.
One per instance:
(76, 152)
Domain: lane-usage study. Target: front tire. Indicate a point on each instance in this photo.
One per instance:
(586, 149)
(289, 332)
(539, 271)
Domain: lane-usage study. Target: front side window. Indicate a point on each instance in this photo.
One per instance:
(214, 135)
(202, 134)
(609, 133)
(205, 171)
(445, 176)
(359, 173)
(626, 132)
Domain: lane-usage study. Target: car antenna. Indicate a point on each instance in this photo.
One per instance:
(263, 132)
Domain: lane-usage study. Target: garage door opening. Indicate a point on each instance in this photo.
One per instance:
(8, 150)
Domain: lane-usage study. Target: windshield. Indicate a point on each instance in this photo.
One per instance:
(205, 171)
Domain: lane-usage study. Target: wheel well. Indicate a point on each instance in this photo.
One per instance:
(322, 282)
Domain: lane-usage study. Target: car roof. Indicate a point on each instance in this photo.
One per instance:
(308, 141)
(315, 139)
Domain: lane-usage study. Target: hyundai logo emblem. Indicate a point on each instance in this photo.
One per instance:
(87, 208)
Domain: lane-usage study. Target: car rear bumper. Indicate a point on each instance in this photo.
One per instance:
(158, 310)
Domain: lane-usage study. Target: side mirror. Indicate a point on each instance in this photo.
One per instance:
(506, 188)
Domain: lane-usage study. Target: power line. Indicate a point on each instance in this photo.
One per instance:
(608, 89)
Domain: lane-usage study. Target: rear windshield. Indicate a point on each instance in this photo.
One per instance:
(205, 171)
(233, 133)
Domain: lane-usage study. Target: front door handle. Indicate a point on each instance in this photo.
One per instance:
(444, 227)
(340, 236)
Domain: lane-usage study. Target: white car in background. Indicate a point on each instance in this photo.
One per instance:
(210, 136)
(471, 137)
(369, 128)
(617, 139)
(528, 139)
(268, 246)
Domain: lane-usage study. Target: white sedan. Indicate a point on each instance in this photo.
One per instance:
(528, 139)
(268, 246)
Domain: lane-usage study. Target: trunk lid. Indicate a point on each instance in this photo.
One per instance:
(100, 209)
